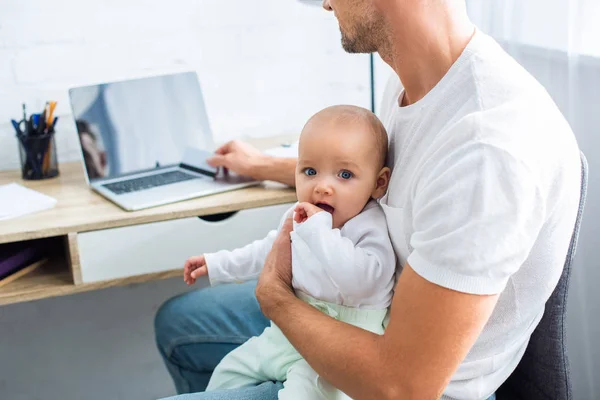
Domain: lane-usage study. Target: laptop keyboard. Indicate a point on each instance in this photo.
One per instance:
(148, 182)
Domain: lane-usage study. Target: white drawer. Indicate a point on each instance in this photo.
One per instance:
(162, 246)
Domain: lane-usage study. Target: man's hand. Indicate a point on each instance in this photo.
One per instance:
(244, 159)
(194, 268)
(304, 211)
(239, 157)
(275, 282)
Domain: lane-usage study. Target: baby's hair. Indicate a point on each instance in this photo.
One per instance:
(350, 113)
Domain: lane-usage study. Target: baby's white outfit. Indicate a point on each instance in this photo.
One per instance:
(347, 273)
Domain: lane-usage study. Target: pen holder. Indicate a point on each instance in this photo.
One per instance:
(38, 156)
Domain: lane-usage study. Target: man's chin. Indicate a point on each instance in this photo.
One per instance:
(355, 47)
(349, 48)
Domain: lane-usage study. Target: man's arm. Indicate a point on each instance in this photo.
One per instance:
(246, 160)
(431, 331)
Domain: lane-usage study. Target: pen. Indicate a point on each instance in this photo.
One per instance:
(29, 126)
(17, 128)
(53, 124)
(42, 122)
(35, 121)
(46, 160)
(50, 114)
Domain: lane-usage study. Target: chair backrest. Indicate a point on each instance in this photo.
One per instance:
(543, 372)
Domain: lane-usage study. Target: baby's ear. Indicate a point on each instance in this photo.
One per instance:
(381, 183)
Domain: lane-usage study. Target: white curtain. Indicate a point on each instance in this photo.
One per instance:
(558, 41)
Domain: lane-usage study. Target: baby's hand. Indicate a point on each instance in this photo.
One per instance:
(194, 268)
(304, 211)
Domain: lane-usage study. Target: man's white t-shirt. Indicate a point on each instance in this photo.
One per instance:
(483, 198)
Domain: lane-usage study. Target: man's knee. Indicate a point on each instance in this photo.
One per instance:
(167, 321)
(221, 311)
(183, 314)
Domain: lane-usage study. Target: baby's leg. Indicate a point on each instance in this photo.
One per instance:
(303, 383)
(263, 358)
(239, 368)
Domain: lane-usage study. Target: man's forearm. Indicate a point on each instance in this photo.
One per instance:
(349, 358)
(276, 169)
(431, 330)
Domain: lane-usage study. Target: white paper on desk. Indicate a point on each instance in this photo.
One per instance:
(17, 200)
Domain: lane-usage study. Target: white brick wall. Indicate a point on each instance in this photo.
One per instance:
(265, 65)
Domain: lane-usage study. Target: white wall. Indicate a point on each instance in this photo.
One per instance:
(562, 24)
(265, 67)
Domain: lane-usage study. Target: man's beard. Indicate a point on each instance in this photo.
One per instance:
(363, 40)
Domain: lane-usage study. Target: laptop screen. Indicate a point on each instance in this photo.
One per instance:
(139, 124)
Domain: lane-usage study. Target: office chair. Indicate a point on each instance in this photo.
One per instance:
(543, 372)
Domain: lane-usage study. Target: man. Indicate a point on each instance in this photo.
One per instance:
(481, 207)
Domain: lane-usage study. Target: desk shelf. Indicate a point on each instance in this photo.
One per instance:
(54, 278)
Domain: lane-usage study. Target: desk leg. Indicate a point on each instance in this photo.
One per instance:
(73, 257)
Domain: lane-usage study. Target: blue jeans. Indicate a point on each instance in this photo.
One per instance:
(194, 331)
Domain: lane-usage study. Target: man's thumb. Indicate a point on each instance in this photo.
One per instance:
(288, 225)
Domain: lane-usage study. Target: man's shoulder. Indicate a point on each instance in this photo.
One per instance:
(502, 105)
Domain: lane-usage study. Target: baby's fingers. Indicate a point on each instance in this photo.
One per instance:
(189, 280)
(196, 261)
(197, 273)
(187, 270)
(299, 215)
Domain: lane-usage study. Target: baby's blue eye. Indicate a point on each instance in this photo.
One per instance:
(310, 171)
(345, 174)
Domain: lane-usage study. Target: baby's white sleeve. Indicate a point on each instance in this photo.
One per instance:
(242, 264)
(361, 262)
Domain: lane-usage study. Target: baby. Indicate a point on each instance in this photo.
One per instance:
(342, 258)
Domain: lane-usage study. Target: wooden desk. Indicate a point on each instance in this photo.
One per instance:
(79, 210)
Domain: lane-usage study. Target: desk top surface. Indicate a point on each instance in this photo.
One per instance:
(80, 209)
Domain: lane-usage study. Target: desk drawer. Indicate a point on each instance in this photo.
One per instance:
(162, 246)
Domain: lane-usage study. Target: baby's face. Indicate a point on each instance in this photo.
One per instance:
(337, 168)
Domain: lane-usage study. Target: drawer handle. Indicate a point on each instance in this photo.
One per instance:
(217, 217)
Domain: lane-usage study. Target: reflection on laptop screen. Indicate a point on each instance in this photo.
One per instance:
(139, 124)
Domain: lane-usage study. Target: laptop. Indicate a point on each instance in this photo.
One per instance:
(145, 141)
